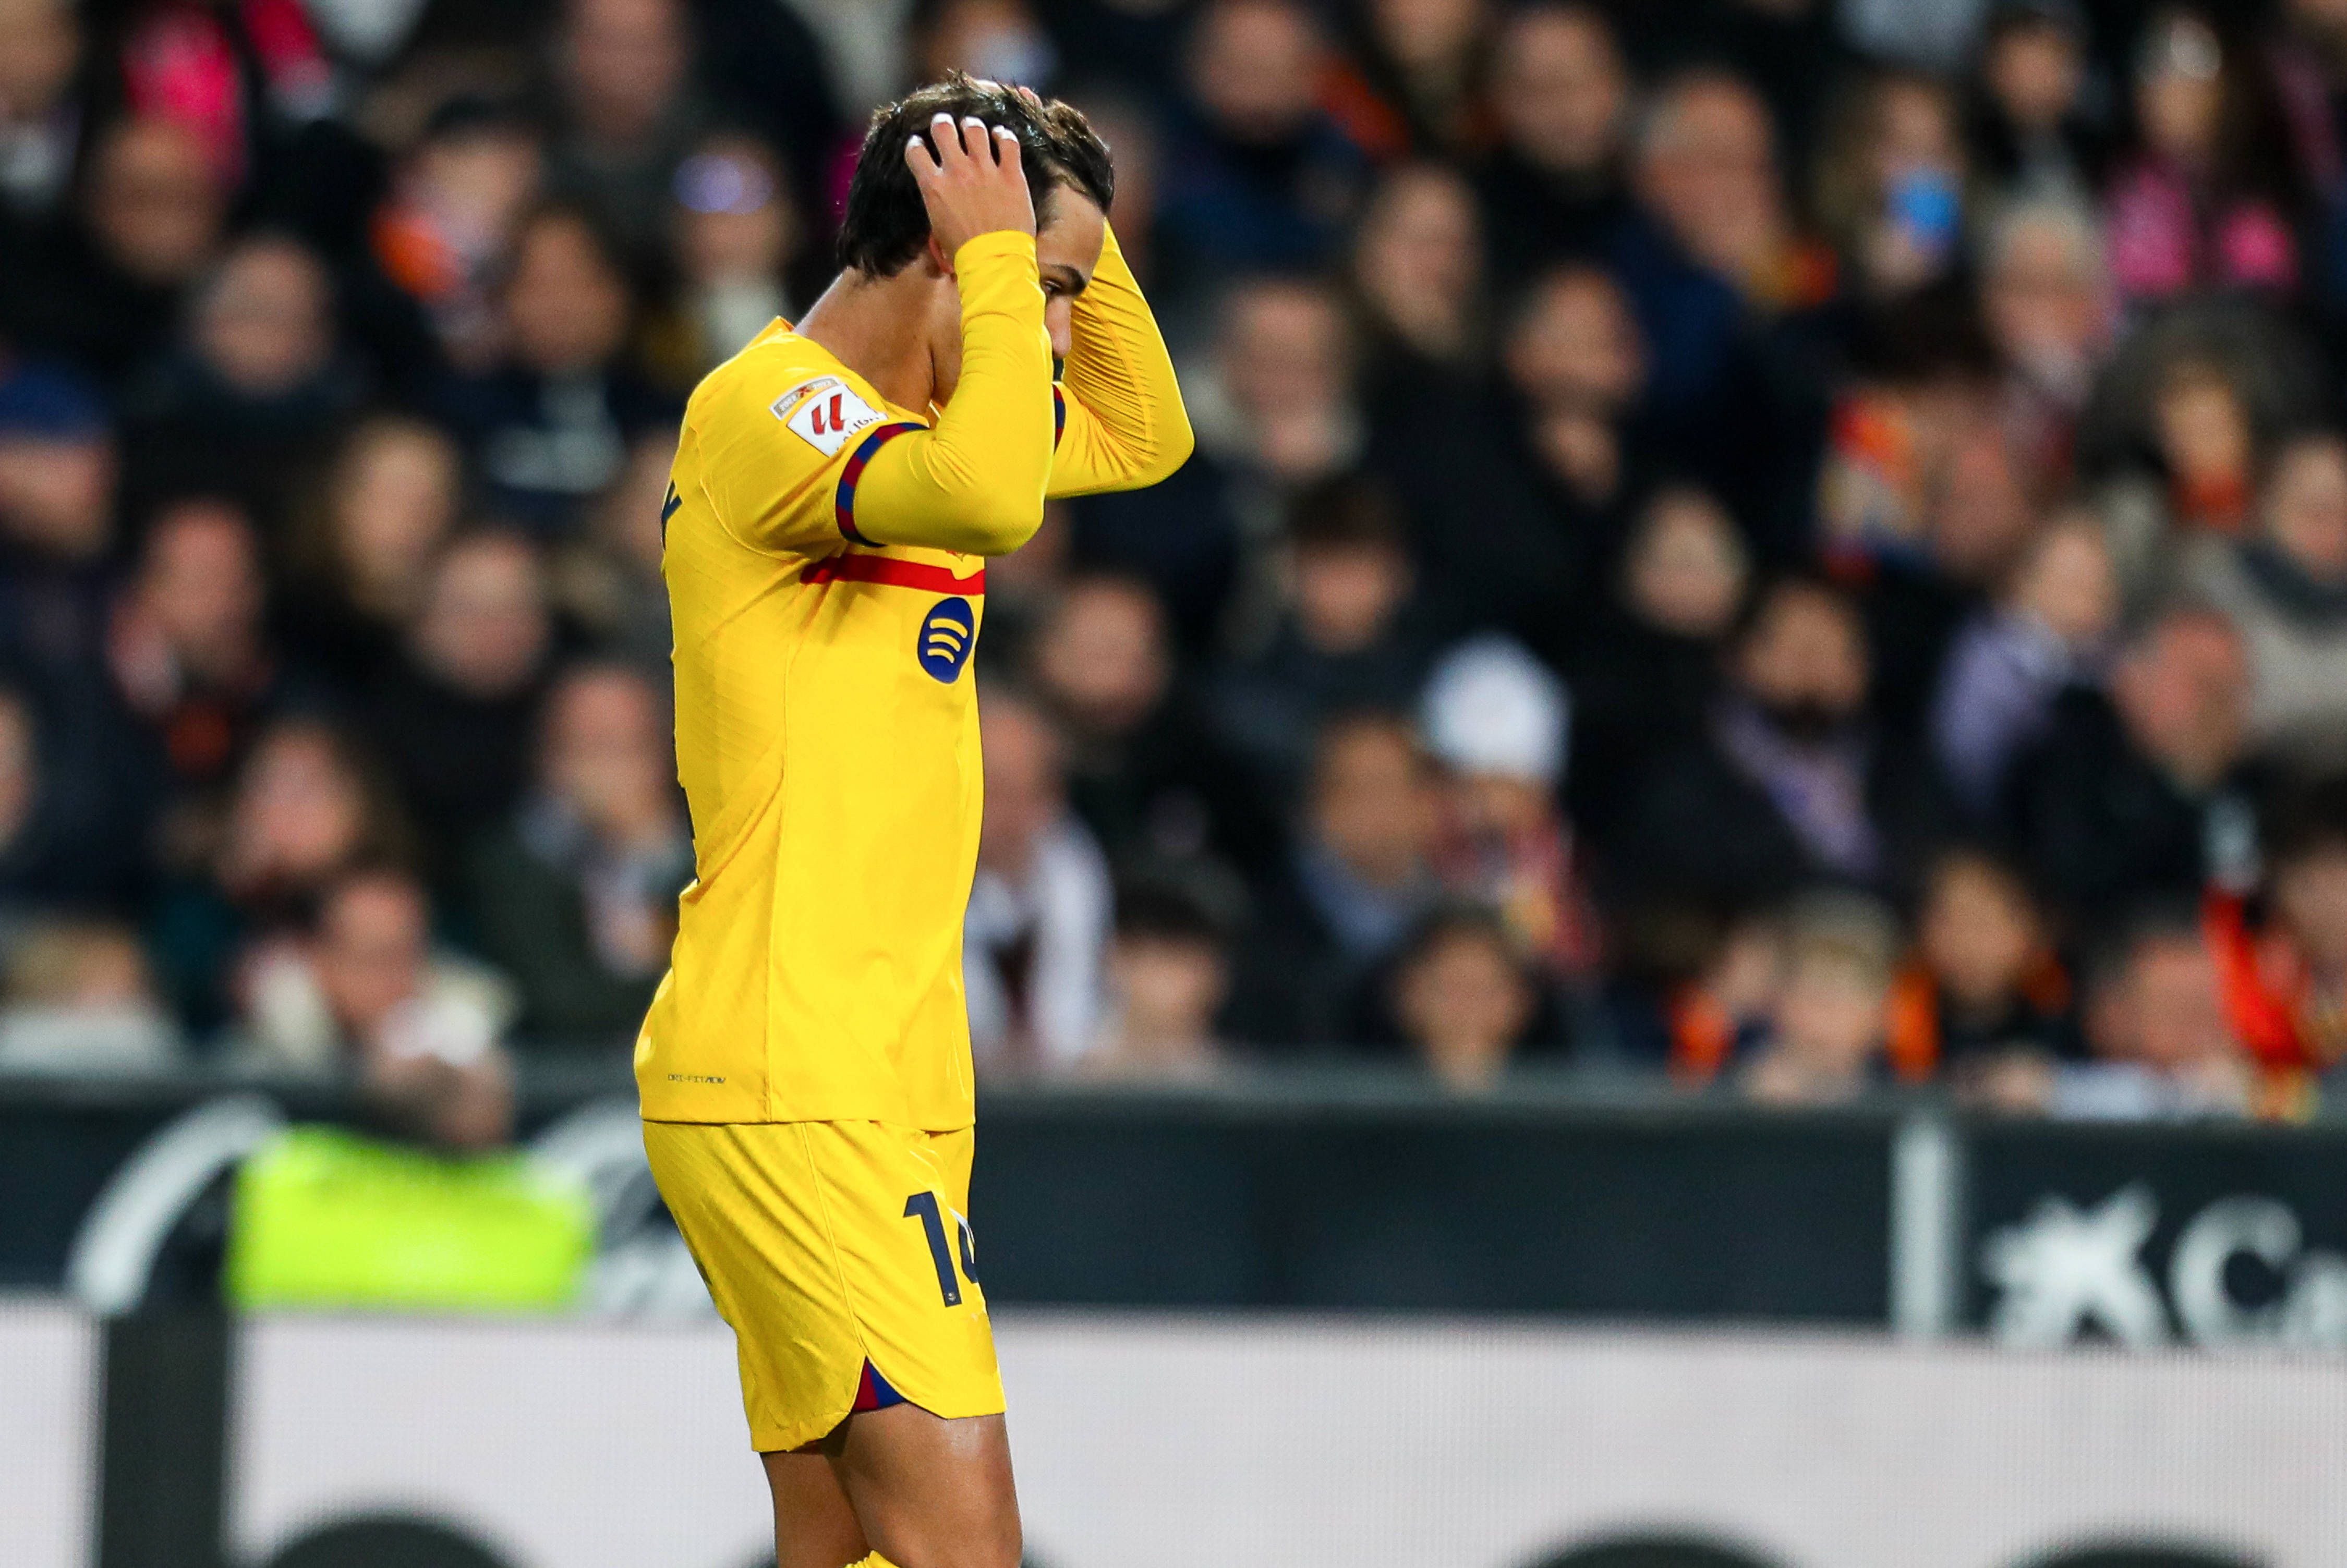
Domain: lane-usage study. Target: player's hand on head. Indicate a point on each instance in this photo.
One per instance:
(973, 184)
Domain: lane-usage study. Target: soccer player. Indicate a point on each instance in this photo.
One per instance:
(805, 1067)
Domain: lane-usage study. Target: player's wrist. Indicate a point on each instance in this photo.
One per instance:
(995, 244)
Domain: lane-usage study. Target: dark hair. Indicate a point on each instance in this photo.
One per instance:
(887, 223)
(1762, 603)
(2311, 820)
(463, 115)
(1350, 511)
(2112, 951)
(1162, 908)
(1461, 919)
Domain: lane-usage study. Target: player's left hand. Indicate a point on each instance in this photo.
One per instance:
(974, 184)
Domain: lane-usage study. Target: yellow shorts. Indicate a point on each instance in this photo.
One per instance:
(828, 1244)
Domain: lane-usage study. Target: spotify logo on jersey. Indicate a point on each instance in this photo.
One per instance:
(947, 633)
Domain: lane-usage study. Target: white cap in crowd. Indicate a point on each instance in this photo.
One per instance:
(1491, 708)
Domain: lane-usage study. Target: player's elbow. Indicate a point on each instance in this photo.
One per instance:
(993, 524)
(1173, 446)
(1162, 454)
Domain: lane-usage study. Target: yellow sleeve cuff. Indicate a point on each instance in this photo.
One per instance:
(997, 246)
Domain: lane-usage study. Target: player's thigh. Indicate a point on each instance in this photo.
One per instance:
(929, 1491)
(814, 1526)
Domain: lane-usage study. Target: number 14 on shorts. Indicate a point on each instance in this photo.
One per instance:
(925, 1208)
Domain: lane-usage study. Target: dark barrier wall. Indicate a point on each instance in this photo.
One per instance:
(1287, 1198)
(1303, 1194)
(1513, 1209)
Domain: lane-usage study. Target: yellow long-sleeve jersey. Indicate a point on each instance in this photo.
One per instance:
(826, 581)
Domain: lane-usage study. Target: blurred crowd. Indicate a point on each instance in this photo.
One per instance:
(1783, 546)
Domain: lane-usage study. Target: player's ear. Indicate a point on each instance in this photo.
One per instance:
(934, 257)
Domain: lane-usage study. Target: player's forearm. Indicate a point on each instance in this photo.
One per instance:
(975, 482)
(1120, 376)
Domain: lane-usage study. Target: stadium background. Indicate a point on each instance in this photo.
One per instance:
(1708, 827)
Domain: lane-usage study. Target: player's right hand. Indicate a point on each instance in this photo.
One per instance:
(973, 185)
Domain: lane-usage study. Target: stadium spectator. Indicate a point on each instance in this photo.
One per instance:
(1464, 1000)
(2205, 198)
(65, 842)
(1284, 362)
(1978, 519)
(2285, 589)
(1706, 171)
(1890, 184)
(994, 40)
(1691, 994)
(1418, 270)
(187, 644)
(1831, 1020)
(305, 808)
(2306, 59)
(1040, 907)
(1358, 879)
(57, 539)
(1557, 460)
(2009, 663)
(2145, 793)
(365, 994)
(441, 237)
(549, 425)
(1715, 255)
(1496, 721)
(1257, 176)
(2046, 299)
(239, 79)
(628, 113)
(2284, 967)
(42, 118)
(2192, 472)
(735, 235)
(575, 898)
(1348, 635)
(56, 521)
(1169, 972)
(257, 387)
(1554, 186)
(363, 543)
(454, 715)
(1413, 80)
(1273, 403)
(2033, 136)
(1788, 785)
(1983, 985)
(1143, 766)
(2206, 441)
(104, 292)
(1644, 665)
(2155, 1023)
(76, 997)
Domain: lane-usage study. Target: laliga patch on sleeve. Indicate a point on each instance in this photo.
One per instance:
(824, 414)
